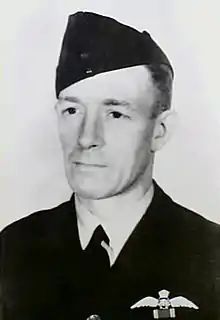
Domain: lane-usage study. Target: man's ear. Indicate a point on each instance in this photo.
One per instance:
(163, 129)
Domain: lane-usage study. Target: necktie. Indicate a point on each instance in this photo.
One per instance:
(95, 254)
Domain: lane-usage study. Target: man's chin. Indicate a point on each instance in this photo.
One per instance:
(94, 189)
(87, 192)
(90, 194)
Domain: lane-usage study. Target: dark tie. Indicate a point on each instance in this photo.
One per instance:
(95, 269)
(95, 254)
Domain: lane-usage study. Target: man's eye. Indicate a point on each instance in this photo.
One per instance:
(70, 110)
(117, 115)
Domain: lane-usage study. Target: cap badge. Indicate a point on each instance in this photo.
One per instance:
(164, 307)
(84, 55)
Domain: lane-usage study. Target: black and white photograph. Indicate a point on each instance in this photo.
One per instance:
(109, 160)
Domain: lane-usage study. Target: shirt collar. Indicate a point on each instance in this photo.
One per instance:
(118, 227)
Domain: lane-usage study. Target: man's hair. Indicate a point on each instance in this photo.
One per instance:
(163, 80)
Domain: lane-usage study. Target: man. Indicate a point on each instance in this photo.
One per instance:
(120, 248)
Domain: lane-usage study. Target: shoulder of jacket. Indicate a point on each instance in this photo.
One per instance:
(195, 223)
(34, 221)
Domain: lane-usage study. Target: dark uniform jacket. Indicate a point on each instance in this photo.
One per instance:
(44, 274)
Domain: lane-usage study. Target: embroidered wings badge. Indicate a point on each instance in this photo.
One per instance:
(164, 307)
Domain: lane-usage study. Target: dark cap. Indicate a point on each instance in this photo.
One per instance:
(93, 44)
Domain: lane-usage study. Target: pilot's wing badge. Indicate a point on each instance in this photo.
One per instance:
(146, 302)
(164, 307)
(182, 302)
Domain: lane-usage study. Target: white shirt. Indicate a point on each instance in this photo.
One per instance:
(118, 225)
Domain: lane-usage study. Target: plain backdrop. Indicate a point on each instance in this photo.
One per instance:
(31, 165)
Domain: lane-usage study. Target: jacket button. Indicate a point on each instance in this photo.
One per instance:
(93, 317)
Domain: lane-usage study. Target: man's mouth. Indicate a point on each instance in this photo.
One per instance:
(88, 165)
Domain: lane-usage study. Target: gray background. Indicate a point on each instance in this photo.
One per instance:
(31, 164)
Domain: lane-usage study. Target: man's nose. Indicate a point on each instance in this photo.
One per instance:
(91, 134)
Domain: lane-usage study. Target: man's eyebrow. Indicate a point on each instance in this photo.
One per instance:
(69, 99)
(106, 102)
(116, 102)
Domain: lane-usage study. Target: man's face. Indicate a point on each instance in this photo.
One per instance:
(106, 129)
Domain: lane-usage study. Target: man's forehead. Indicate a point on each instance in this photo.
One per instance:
(123, 83)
